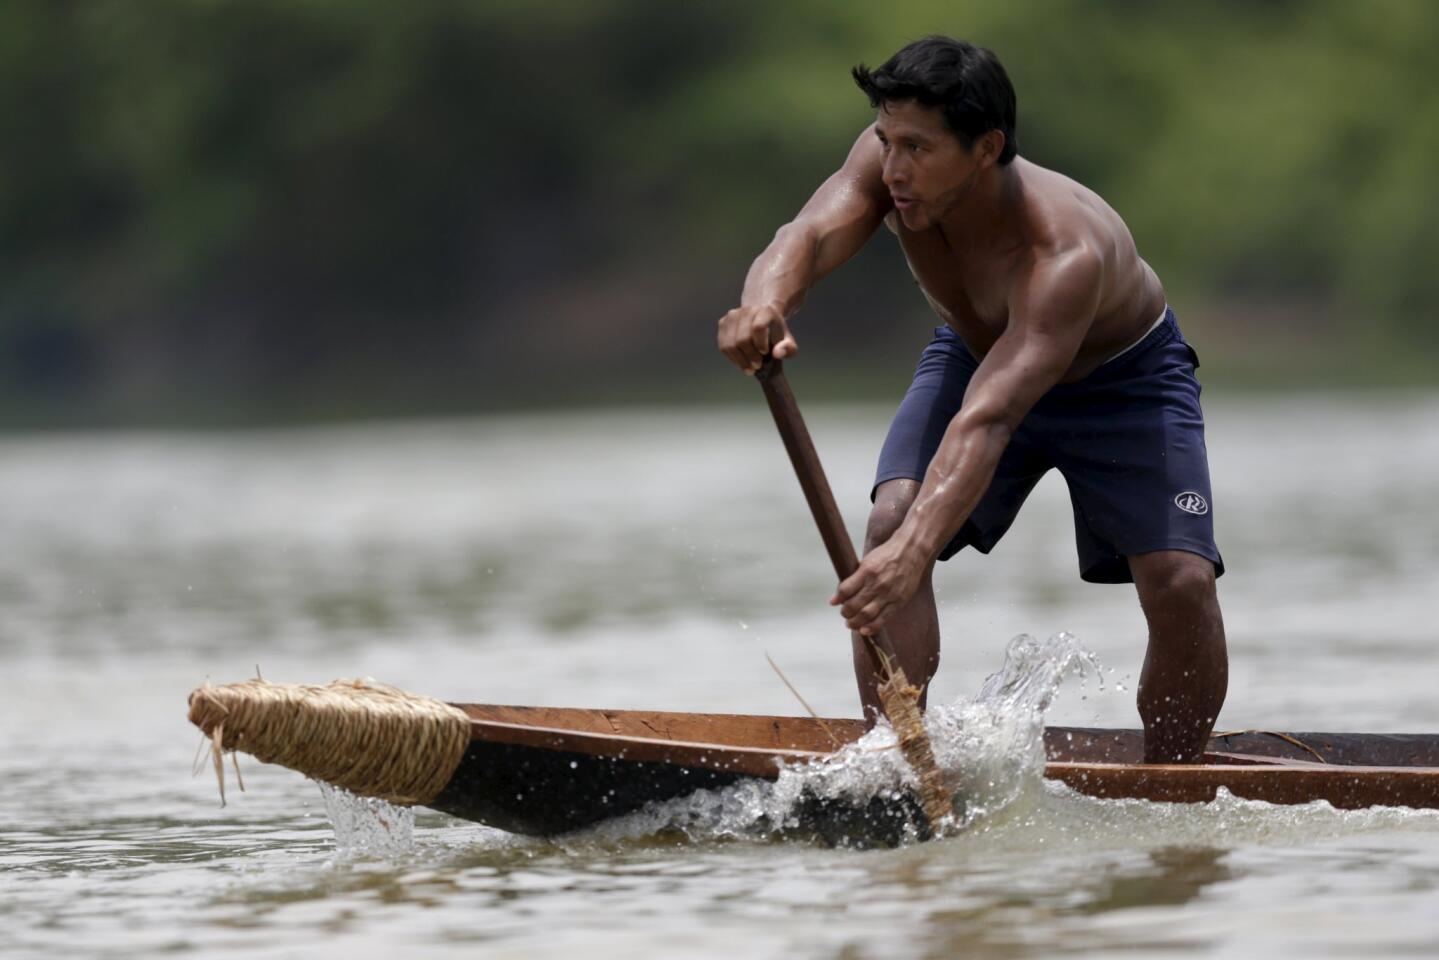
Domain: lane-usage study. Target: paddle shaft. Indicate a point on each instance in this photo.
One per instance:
(898, 698)
(817, 493)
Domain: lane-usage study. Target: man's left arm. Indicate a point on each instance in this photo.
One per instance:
(1051, 310)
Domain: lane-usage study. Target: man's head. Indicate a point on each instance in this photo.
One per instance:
(946, 114)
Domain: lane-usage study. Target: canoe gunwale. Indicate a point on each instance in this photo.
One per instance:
(1093, 761)
(1275, 779)
(763, 762)
(1343, 786)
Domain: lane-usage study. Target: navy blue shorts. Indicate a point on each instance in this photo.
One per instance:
(1128, 439)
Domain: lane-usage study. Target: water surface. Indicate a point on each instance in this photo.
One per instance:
(649, 560)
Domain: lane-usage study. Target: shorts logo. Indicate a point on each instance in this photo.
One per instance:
(1191, 502)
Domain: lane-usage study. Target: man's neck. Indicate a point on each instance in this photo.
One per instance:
(986, 215)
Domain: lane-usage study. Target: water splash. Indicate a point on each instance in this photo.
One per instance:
(990, 748)
(367, 826)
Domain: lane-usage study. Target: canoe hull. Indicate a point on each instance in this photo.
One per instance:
(544, 792)
(548, 771)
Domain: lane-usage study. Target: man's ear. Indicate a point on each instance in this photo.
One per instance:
(989, 147)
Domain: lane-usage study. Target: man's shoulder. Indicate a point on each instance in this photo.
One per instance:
(1050, 184)
(1066, 219)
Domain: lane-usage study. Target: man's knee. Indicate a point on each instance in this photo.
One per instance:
(891, 503)
(1173, 577)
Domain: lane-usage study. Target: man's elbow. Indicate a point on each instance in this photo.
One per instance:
(797, 234)
(988, 423)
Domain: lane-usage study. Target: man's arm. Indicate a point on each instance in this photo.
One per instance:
(841, 216)
(1050, 314)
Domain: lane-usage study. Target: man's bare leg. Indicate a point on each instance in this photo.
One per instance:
(1186, 668)
(913, 629)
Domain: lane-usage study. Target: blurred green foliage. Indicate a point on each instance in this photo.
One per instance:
(281, 208)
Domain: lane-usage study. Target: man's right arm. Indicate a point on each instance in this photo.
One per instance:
(841, 216)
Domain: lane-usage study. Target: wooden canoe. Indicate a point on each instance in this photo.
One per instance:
(545, 770)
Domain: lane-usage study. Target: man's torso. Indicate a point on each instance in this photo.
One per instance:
(971, 289)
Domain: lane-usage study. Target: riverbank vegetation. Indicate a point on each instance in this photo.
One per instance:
(227, 212)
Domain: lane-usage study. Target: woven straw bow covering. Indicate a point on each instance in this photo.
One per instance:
(371, 739)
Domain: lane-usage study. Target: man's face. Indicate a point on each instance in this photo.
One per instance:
(926, 168)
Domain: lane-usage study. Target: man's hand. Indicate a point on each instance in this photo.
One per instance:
(745, 335)
(886, 580)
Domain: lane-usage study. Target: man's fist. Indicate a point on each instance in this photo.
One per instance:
(748, 334)
(885, 580)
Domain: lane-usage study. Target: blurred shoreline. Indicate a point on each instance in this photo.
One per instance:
(1228, 370)
(228, 214)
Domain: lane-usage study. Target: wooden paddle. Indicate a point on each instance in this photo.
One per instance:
(897, 695)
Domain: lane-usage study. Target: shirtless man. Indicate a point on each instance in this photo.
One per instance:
(1057, 350)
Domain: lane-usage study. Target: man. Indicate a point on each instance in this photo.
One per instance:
(1057, 349)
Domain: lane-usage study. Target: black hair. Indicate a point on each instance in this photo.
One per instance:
(966, 82)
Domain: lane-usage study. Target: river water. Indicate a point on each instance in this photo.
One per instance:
(651, 559)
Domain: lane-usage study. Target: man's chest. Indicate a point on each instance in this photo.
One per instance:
(970, 292)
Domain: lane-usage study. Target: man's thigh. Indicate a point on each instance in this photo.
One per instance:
(1132, 450)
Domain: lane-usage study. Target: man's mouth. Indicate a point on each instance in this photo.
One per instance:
(901, 202)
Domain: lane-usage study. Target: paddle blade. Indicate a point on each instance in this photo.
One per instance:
(901, 705)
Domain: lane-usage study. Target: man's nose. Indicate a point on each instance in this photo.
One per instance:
(894, 171)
